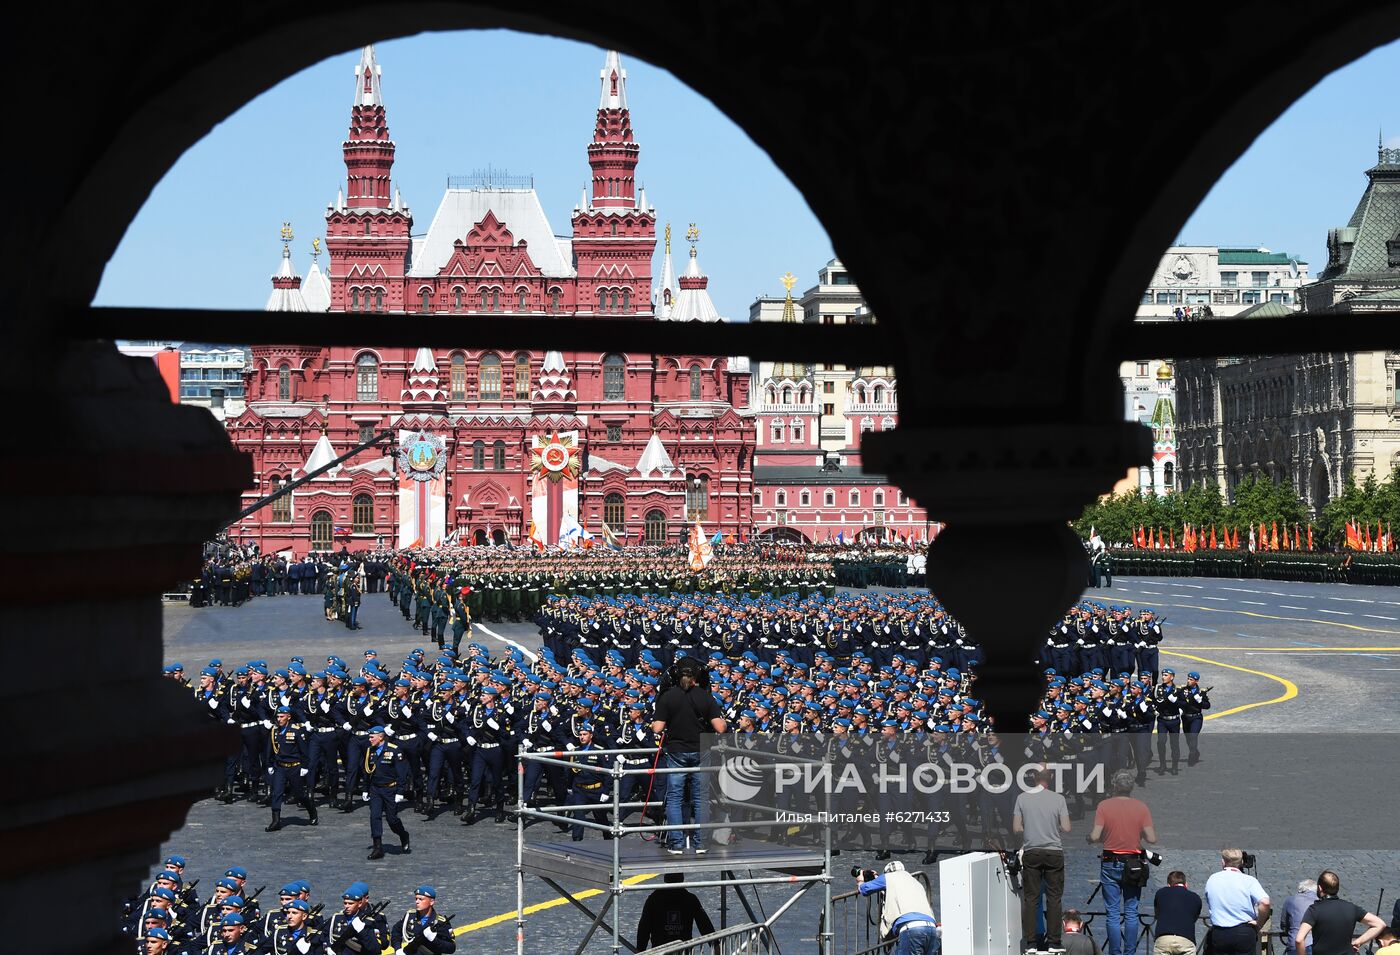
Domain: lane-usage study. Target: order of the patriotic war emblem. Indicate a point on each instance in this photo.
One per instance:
(422, 456)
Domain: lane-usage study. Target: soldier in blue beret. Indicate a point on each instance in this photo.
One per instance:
(422, 928)
(289, 768)
(386, 774)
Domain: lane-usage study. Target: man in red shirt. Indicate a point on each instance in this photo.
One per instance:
(1122, 824)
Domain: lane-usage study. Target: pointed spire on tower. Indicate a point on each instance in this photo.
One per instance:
(583, 199)
(692, 303)
(614, 83)
(789, 369)
(322, 453)
(555, 383)
(367, 77)
(664, 294)
(316, 289)
(424, 392)
(286, 284)
(642, 199)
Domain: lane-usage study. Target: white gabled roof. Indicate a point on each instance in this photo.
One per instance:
(655, 458)
(601, 464)
(316, 289)
(518, 209)
(384, 465)
(321, 455)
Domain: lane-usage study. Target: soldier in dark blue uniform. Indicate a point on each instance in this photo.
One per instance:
(1167, 697)
(1194, 701)
(289, 767)
(386, 774)
(357, 929)
(487, 728)
(422, 929)
(296, 934)
(445, 745)
(589, 784)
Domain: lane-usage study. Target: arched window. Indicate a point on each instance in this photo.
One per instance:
(284, 382)
(777, 431)
(282, 507)
(367, 378)
(490, 389)
(614, 378)
(879, 498)
(480, 536)
(697, 498)
(498, 456)
(458, 378)
(522, 376)
(797, 431)
(627, 300)
(1168, 476)
(426, 299)
(521, 296)
(655, 527)
(321, 529)
(887, 424)
(806, 498)
(860, 394)
(694, 382)
(457, 298)
(554, 300)
(614, 514)
(379, 300)
(780, 499)
(614, 300)
(878, 395)
(354, 300)
(478, 455)
(362, 514)
(614, 228)
(484, 299)
(787, 396)
(855, 497)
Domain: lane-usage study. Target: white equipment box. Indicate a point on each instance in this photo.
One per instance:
(981, 912)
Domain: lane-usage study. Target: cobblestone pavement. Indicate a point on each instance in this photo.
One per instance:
(1279, 633)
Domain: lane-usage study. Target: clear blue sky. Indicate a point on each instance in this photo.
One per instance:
(1305, 173)
(462, 101)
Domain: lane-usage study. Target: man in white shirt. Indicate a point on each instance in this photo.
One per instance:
(1238, 906)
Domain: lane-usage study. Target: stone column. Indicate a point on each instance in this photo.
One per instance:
(111, 492)
(1008, 564)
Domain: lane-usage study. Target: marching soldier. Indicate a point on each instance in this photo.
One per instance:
(386, 775)
(422, 929)
(1167, 698)
(295, 934)
(359, 928)
(1193, 701)
(289, 767)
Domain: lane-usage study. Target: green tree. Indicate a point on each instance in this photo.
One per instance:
(1261, 500)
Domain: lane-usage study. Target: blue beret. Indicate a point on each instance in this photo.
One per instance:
(298, 668)
(491, 690)
(1166, 670)
(427, 890)
(227, 884)
(841, 721)
(209, 671)
(586, 727)
(359, 681)
(216, 663)
(1193, 675)
(170, 668)
(236, 872)
(233, 918)
(161, 892)
(236, 901)
(291, 888)
(163, 914)
(175, 860)
(1042, 715)
(376, 729)
(403, 683)
(357, 890)
(157, 932)
(300, 905)
(370, 653)
(283, 672)
(284, 709)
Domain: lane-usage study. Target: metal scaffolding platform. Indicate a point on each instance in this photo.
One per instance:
(617, 865)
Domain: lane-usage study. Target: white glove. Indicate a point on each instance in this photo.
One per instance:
(493, 724)
(345, 726)
(305, 771)
(269, 770)
(325, 707)
(525, 744)
(364, 797)
(267, 724)
(569, 746)
(433, 737)
(388, 731)
(303, 945)
(451, 717)
(407, 711)
(358, 924)
(213, 702)
(603, 797)
(430, 934)
(398, 797)
(246, 702)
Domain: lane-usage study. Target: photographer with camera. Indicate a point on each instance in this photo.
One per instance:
(906, 915)
(1122, 824)
(1176, 909)
(1238, 906)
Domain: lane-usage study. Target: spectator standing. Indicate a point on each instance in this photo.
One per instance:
(1330, 921)
(1177, 908)
(1386, 943)
(1039, 817)
(671, 915)
(1238, 906)
(1074, 940)
(683, 713)
(1293, 908)
(1122, 823)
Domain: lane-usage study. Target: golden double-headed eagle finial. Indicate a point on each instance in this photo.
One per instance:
(668, 238)
(692, 235)
(286, 232)
(789, 280)
(316, 246)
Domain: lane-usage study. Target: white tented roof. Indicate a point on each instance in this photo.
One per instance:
(321, 455)
(518, 209)
(285, 299)
(655, 458)
(316, 289)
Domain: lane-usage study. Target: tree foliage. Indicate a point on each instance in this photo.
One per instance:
(1257, 500)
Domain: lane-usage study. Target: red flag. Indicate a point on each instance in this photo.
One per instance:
(1351, 536)
(1141, 539)
(1367, 538)
(1213, 545)
(1263, 543)
(1149, 540)
(1310, 537)
(1173, 542)
(1273, 541)
(1285, 537)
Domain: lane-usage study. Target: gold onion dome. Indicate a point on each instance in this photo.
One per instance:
(1164, 371)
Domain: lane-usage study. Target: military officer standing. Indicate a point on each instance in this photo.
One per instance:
(289, 767)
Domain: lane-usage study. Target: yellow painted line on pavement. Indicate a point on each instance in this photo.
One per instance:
(1290, 689)
(541, 906)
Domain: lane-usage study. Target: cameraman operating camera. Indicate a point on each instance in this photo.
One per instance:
(907, 915)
